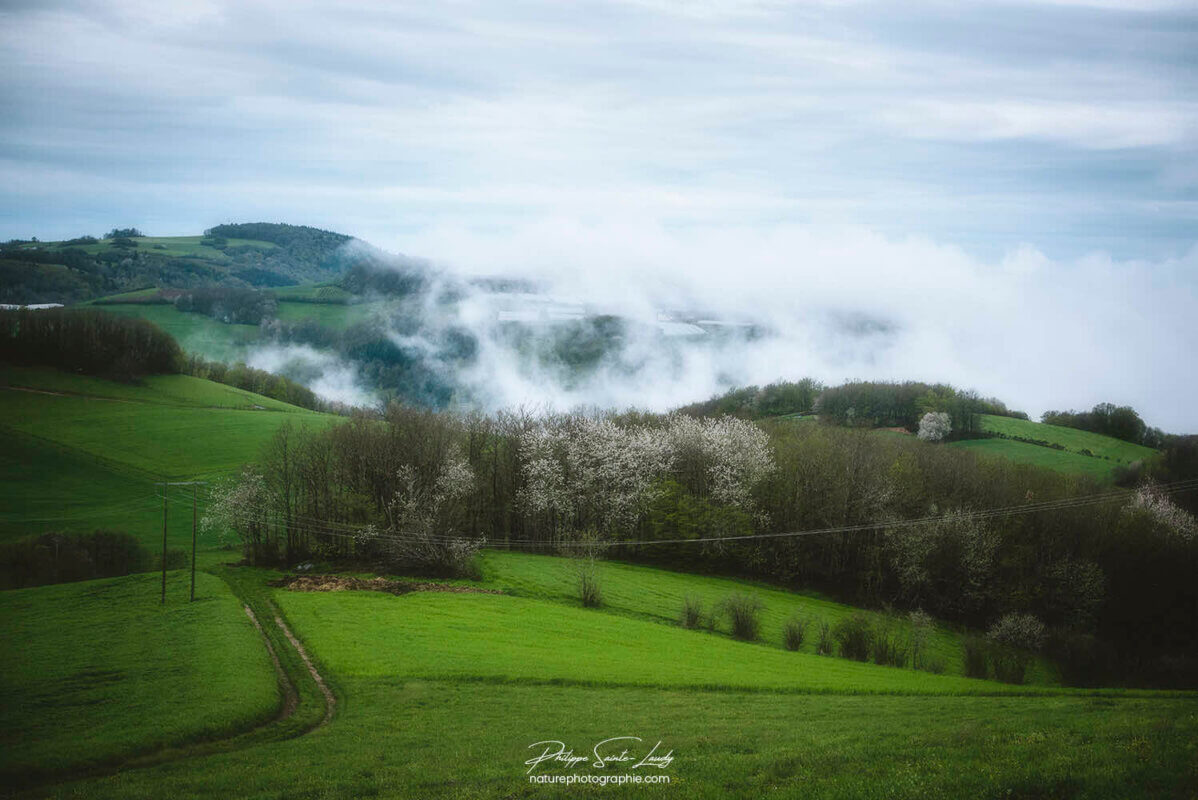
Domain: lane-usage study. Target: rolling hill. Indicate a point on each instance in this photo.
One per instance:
(1058, 448)
(238, 255)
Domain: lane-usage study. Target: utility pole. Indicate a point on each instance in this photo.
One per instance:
(164, 485)
(193, 544)
(193, 485)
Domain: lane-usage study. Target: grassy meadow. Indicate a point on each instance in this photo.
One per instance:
(83, 453)
(180, 427)
(441, 695)
(99, 670)
(1081, 452)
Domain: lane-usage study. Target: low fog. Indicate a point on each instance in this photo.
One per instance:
(689, 313)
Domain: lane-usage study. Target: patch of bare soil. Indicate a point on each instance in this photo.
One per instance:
(339, 583)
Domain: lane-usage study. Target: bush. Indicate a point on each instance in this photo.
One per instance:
(743, 613)
(1019, 631)
(692, 611)
(975, 649)
(855, 635)
(921, 630)
(823, 645)
(63, 558)
(589, 591)
(888, 649)
(794, 632)
(1013, 638)
(1010, 665)
(935, 665)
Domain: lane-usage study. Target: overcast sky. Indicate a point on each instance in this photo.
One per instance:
(662, 141)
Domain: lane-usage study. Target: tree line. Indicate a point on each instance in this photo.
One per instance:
(127, 348)
(91, 342)
(1119, 422)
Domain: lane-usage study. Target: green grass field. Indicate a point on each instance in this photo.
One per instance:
(88, 457)
(505, 639)
(98, 670)
(196, 333)
(1073, 440)
(337, 316)
(441, 695)
(1037, 456)
(200, 334)
(176, 246)
(181, 427)
(657, 595)
(1084, 453)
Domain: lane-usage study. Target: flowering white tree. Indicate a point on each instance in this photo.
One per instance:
(583, 471)
(242, 505)
(1168, 516)
(589, 471)
(934, 426)
(421, 529)
(1021, 631)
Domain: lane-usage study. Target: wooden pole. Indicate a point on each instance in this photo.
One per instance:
(193, 543)
(164, 543)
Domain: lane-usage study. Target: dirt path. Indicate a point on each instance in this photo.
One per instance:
(290, 695)
(330, 701)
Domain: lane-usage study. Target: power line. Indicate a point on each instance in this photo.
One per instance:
(347, 531)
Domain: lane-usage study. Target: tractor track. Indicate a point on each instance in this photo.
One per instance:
(271, 730)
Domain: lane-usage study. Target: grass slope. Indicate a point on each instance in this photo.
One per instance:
(433, 739)
(176, 428)
(88, 458)
(195, 333)
(1037, 456)
(657, 595)
(497, 638)
(1073, 440)
(96, 670)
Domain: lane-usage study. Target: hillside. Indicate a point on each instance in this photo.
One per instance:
(243, 255)
(84, 452)
(1066, 450)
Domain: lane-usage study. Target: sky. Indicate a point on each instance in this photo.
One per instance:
(1014, 185)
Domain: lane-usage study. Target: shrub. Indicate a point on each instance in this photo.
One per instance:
(1010, 665)
(974, 649)
(588, 586)
(743, 613)
(888, 649)
(794, 632)
(921, 630)
(692, 611)
(1020, 631)
(63, 558)
(933, 665)
(1012, 639)
(823, 645)
(854, 634)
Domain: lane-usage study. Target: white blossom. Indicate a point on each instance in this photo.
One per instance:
(934, 426)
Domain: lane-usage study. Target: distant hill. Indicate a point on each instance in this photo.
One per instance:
(245, 255)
